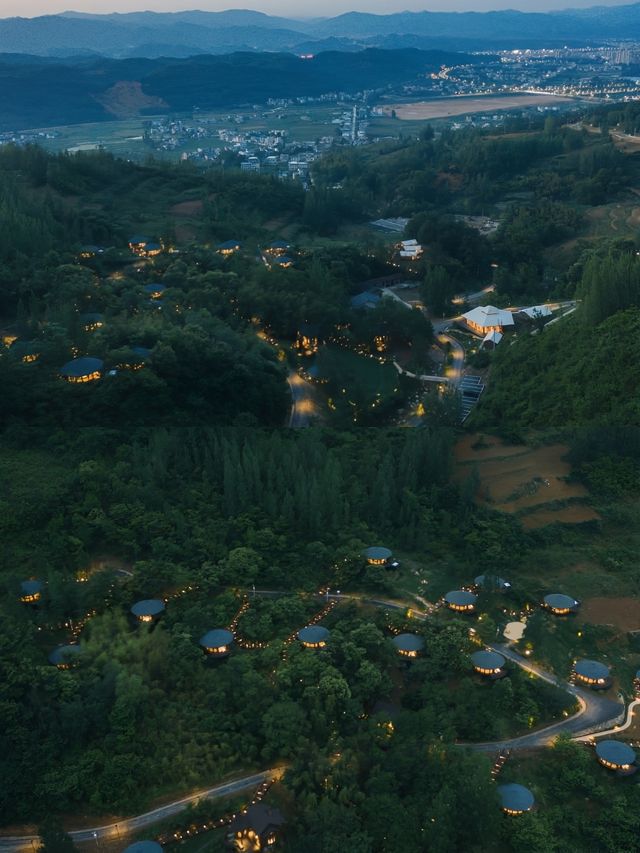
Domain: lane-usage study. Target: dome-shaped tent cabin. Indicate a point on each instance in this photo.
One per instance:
(618, 756)
(31, 591)
(592, 673)
(148, 610)
(408, 645)
(515, 799)
(461, 600)
(489, 664)
(64, 657)
(314, 636)
(217, 643)
(560, 604)
(84, 369)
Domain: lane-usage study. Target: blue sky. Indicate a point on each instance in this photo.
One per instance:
(292, 8)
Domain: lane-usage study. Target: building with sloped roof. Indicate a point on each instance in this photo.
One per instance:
(461, 600)
(408, 645)
(515, 799)
(84, 369)
(486, 318)
(618, 756)
(314, 636)
(217, 643)
(593, 673)
(148, 610)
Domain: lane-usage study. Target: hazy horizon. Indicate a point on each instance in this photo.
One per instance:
(290, 8)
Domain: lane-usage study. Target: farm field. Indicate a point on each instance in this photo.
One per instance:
(623, 612)
(446, 107)
(531, 483)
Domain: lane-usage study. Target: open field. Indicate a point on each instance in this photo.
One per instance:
(529, 482)
(622, 613)
(459, 106)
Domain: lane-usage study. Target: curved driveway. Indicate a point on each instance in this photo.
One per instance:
(16, 843)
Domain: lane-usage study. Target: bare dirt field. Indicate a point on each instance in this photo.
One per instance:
(524, 480)
(622, 613)
(444, 107)
(187, 208)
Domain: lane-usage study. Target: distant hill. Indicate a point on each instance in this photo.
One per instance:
(193, 32)
(41, 92)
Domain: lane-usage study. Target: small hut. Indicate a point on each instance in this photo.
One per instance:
(283, 262)
(84, 369)
(408, 645)
(277, 248)
(593, 673)
(26, 351)
(489, 664)
(461, 600)
(617, 756)
(515, 799)
(148, 610)
(143, 847)
(492, 583)
(229, 247)
(559, 604)
(31, 591)
(378, 556)
(256, 828)
(64, 657)
(154, 289)
(217, 643)
(92, 321)
(138, 243)
(314, 636)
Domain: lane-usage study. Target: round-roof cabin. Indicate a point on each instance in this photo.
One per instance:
(148, 610)
(492, 583)
(217, 643)
(91, 322)
(593, 673)
(617, 756)
(559, 604)
(314, 636)
(377, 556)
(64, 657)
(26, 351)
(30, 591)
(408, 645)
(515, 799)
(85, 369)
(461, 601)
(155, 290)
(488, 663)
(143, 847)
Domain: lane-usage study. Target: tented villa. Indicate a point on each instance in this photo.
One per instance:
(461, 600)
(378, 556)
(486, 318)
(30, 591)
(256, 828)
(84, 369)
(314, 636)
(154, 289)
(148, 610)
(64, 657)
(408, 645)
(593, 673)
(515, 799)
(26, 351)
(92, 321)
(228, 247)
(217, 643)
(617, 756)
(492, 583)
(560, 605)
(490, 664)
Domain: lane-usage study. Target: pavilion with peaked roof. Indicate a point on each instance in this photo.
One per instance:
(486, 318)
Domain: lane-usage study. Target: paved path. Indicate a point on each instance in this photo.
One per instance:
(303, 404)
(16, 843)
(595, 711)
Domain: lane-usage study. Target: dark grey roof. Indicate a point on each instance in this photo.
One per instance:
(592, 669)
(258, 817)
(492, 582)
(138, 239)
(460, 597)
(148, 607)
(22, 348)
(278, 244)
(487, 660)
(615, 752)
(64, 654)
(409, 642)
(313, 634)
(228, 244)
(92, 317)
(216, 638)
(31, 587)
(559, 601)
(376, 553)
(154, 287)
(82, 366)
(284, 259)
(515, 797)
(143, 847)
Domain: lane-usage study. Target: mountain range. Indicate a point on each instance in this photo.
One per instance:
(182, 34)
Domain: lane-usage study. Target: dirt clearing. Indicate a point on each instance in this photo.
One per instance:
(622, 613)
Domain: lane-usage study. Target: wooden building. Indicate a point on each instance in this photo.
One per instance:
(148, 610)
(489, 664)
(593, 673)
(618, 756)
(461, 600)
(515, 799)
(84, 369)
(559, 604)
(408, 645)
(314, 636)
(256, 829)
(217, 643)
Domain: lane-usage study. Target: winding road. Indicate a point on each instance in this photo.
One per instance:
(124, 827)
(304, 408)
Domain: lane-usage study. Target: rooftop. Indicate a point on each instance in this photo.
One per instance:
(148, 607)
(615, 752)
(84, 366)
(64, 655)
(461, 598)
(313, 634)
(592, 669)
(376, 553)
(257, 817)
(409, 642)
(487, 660)
(31, 587)
(216, 639)
(559, 601)
(487, 316)
(515, 797)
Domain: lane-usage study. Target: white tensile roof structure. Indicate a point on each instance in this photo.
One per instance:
(487, 317)
(537, 311)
